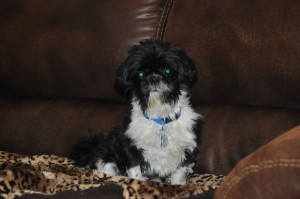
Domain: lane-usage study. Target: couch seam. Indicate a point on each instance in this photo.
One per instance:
(163, 20)
(255, 168)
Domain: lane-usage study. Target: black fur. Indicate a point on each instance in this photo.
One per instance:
(158, 62)
(115, 147)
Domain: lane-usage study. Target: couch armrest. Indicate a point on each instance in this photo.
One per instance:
(273, 171)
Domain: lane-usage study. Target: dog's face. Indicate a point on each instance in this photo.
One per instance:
(155, 69)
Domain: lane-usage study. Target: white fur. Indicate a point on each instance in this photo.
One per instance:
(180, 175)
(180, 136)
(145, 135)
(109, 168)
(135, 173)
(100, 165)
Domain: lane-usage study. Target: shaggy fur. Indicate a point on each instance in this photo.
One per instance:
(157, 78)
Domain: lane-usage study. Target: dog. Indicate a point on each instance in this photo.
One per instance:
(159, 140)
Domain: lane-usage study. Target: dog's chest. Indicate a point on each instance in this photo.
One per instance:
(163, 158)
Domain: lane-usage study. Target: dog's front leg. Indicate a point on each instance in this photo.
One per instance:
(135, 173)
(179, 177)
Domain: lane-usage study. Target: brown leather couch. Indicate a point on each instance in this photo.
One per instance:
(57, 65)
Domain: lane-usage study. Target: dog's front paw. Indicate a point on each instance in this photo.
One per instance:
(179, 177)
(177, 180)
(136, 173)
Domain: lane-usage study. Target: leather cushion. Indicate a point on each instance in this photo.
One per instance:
(271, 172)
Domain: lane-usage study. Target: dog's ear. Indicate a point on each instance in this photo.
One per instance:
(123, 83)
(187, 72)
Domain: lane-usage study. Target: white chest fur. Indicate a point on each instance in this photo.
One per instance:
(179, 135)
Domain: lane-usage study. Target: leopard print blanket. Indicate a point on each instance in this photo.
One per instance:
(50, 174)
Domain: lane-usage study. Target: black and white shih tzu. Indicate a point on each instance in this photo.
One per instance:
(159, 140)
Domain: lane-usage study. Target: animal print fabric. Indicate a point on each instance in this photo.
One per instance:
(50, 174)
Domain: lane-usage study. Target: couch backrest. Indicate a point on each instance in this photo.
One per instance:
(71, 48)
(248, 52)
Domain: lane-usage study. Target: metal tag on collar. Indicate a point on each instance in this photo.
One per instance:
(163, 140)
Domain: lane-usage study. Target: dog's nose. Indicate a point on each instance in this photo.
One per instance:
(154, 79)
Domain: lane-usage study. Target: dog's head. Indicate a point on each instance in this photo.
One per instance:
(155, 68)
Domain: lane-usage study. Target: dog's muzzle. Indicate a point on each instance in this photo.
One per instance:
(154, 80)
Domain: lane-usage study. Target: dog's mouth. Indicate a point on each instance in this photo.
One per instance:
(158, 89)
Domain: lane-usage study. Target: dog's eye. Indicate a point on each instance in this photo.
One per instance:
(167, 71)
(141, 74)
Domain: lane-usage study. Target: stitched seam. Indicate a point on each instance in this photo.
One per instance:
(255, 168)
(163, 20)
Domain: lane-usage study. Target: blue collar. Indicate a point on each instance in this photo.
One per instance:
(162, 121)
